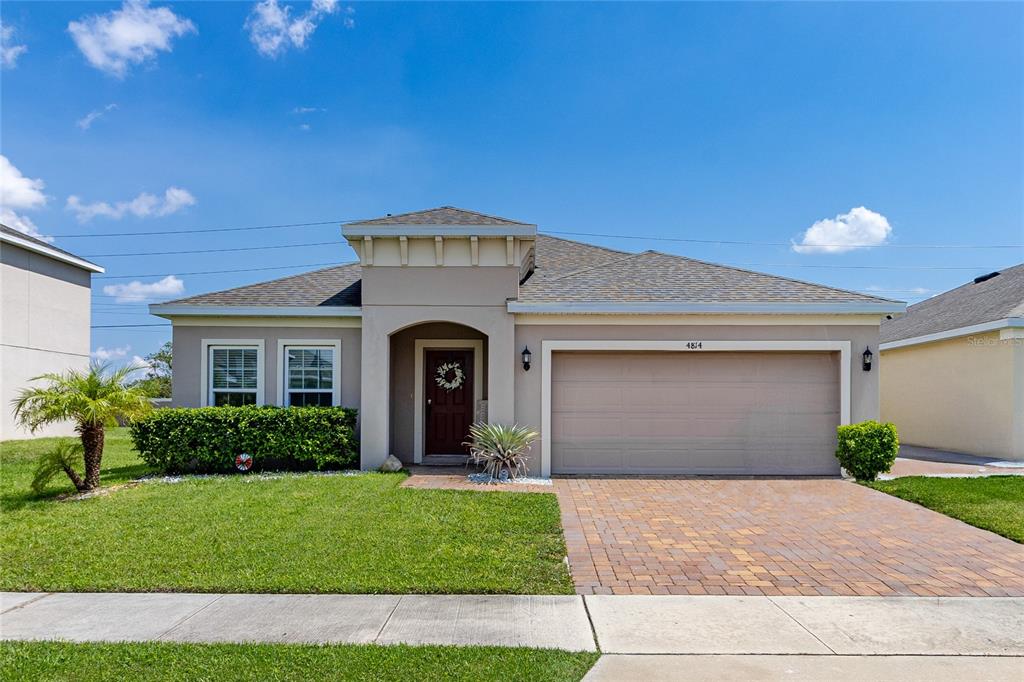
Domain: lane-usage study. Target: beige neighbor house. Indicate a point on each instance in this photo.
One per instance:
(45, 304)
(952, 368)
(625, 362)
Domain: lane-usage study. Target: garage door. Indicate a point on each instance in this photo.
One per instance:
(694, 413)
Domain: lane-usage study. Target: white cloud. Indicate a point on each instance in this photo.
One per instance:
(140, 364)
(142, 206)
(9, 49)
(107, 354)
(305, 127)
(86, 121)
(847, 231)
(273, 29)
(140, 292)
(131, 35)
(307, 110)
(19, 193)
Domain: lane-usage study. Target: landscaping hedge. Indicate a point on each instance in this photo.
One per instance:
(867, 449)
(207, 439)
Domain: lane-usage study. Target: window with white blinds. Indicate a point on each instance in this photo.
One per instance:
(234, 375)
(309, 374)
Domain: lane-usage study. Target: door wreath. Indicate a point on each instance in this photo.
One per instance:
(450, 376)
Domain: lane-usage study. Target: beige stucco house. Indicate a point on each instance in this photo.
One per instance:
(625, 362)
(45, 303)
(952, 368)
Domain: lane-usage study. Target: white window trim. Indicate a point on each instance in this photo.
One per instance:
(207, 389)
(282, 365)
(477, 345)
(547, 347)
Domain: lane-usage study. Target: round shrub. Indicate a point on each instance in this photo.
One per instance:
(208, 439)
(867, 449)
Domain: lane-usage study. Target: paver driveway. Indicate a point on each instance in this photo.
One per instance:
(773, 537)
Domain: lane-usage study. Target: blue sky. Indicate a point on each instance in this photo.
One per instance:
(733, 122)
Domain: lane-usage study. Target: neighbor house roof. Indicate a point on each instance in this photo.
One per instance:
(18, 238)
(445, 215)
(989, 302)
(566, 273)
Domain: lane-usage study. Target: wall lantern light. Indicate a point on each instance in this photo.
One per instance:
(527, 357)
(867, 357)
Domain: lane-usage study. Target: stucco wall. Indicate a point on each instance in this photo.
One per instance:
(864, 387)
(44, 326)
(188, 379)
(961, 394)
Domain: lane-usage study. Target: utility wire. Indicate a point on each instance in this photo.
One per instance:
(730, 242)
(192, 251)
(738, 242)
(220, 272)
(200, 230)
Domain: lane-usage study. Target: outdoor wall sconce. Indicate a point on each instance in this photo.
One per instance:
(527, 357)
(866, 363)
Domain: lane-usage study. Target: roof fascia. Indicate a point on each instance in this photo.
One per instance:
(569, 308)
(995, 325)
(29, 245)
(184, 309)
(417, 230)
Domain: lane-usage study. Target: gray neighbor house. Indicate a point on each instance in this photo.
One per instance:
(624, 362)
(45, 308)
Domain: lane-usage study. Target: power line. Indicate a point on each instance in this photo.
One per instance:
(220, 272)
(738, 242)
(238, 248)
(202, 230)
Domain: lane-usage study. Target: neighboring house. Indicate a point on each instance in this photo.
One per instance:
(639, 362)
(952, 368)
(45, 303)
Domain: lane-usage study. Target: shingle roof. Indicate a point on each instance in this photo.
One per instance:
(994, 299)
(445, 215)
(653, 277)
(336, 286)
(567, 271)
(4, 229)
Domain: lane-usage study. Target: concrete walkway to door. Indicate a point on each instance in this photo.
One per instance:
(807, 537)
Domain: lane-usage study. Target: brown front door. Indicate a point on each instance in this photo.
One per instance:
(449, 400)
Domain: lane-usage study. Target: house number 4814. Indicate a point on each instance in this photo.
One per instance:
(693, 345)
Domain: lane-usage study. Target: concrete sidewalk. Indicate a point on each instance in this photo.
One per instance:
(698, 625)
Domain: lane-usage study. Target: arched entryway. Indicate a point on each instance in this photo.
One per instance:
(438, 375)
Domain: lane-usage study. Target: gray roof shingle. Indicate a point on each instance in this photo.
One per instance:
(335, 286)
(994, 299)
(566, 271)
(653, 277)
(445, 215)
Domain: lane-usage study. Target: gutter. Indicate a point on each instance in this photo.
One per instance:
(29, 245)
(995, 325)
(185, 310)
(669, 307)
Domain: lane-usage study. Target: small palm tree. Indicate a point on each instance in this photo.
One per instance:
(93, 399)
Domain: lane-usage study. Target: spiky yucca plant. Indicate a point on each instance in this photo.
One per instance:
(93, 399)
(500, 447)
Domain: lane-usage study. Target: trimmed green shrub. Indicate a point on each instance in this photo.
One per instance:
(867, 449)
(208, 439)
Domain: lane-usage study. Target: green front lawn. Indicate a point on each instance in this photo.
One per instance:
(39, 661)
(298, 533)
(995, 503)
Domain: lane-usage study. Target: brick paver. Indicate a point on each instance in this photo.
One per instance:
(773, 537)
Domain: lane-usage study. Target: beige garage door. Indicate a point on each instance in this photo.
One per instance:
(694, 413)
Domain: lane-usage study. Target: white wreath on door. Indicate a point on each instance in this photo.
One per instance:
(458, 376)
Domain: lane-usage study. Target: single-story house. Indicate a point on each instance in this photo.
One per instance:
(624, 362)
(45, 305)
(953, 368)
